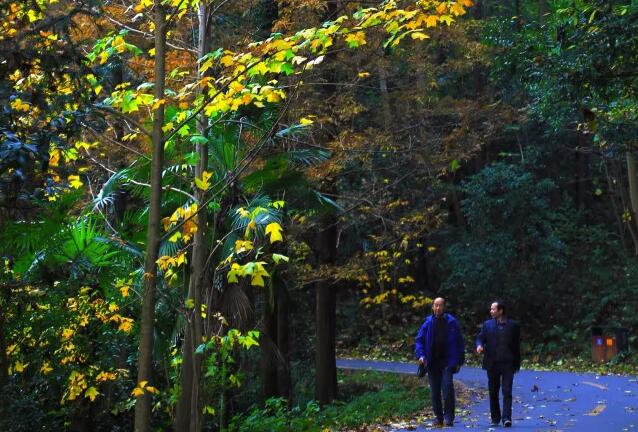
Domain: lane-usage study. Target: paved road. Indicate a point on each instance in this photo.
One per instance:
(543, 401)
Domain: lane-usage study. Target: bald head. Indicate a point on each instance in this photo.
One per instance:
(438, 306)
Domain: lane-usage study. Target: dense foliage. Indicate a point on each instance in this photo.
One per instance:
(202, 202)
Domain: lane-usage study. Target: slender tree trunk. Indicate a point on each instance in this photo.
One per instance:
(4, 361)
(268, 362)
(189, 412)
(583, 175)
(617, 211)
(326, 363)
(543, 11)
(283, 342)
(385, 96)
(145, 360)
(633, 187)
(517, 12)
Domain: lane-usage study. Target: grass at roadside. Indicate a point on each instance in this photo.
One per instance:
(366, 399)
(375, 397)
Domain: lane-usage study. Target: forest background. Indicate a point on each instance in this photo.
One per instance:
(203, 203)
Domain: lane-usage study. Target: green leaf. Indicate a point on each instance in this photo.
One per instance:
(199, 139)
(191, 158)
(277, 258)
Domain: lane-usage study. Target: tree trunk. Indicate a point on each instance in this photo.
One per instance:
(268, 362)
(518, 24)
(4, 361)
(145, 360)
(385, 96)
(283, 342)
(189, 412)
(543, 12)
(326, 363)
(633, 187)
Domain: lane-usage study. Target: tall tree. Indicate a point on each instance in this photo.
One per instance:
(147, 326)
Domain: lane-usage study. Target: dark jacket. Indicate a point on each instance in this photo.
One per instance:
(455, 347)
(487, 339)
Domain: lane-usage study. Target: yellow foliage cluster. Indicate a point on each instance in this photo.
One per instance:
(186, 216)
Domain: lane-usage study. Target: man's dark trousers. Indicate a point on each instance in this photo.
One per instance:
(500, 374)
(440, 377)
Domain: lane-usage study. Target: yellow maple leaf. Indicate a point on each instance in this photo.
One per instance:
(19, 366)
(431, 21)
(457, 9)
(74, 181)
(257, 280)
(441, 8)
(226, 60)
(46, 368)
(126, 324)
(419, 36)
(447, 19)
(275, 230)
(203, 182)
(91, 393)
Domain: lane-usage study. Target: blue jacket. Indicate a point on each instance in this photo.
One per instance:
(455, 347)
(487, 339)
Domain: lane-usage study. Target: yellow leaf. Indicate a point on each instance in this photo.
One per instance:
(419, 36)
(226, 60)
(257, 280)
(203, 182)
(124, 290)
(67, 333)
(91, 393)
(447, 19)
(119, 44)
(441, 8)
(74, 181)
(104, 55)
(457, 9)
(19, 366)
(137, 392)
(431, 21)
(126, 324)
(158, 103)
(274, 229)
(243, 246)
(175, 237)
(467, 3)
(363, 74)
(46, 368)
(305, 121)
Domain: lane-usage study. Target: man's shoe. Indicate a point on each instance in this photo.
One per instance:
(449, 423)
(437, 424)
(507, 423)
(495, 423)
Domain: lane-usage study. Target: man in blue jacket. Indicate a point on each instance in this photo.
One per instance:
(439, 346)
(499, 340)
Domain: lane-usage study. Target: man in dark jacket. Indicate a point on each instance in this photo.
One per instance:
(439, 346)
(499, 340)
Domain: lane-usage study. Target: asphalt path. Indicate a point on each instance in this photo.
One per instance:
(542, 400)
